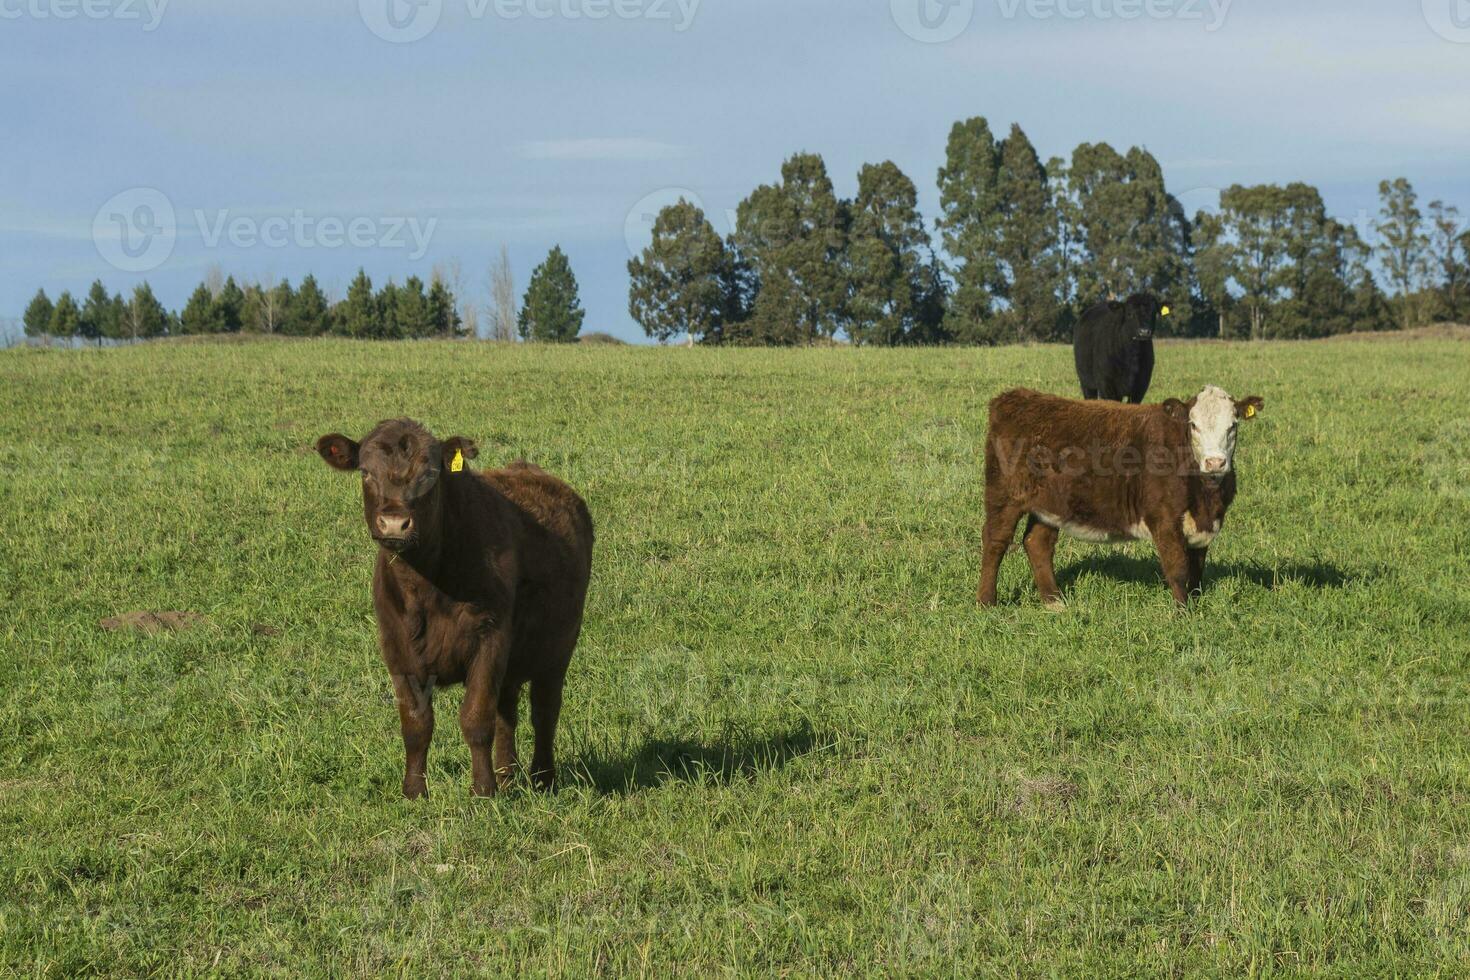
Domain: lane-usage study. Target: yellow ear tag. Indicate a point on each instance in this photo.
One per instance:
(1164, 311)
(456, 465)
(1250, 411)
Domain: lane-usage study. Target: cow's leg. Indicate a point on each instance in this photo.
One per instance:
(1197, 569)
(1000, 529)
(1041, 544)
(545, 710)
(477, 715)
(507, 713)
(415, 697)
(1089, 393)
(1174, 557)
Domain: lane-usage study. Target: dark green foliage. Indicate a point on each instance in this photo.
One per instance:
(970, 210)
(1273, 264)
(552, 311)
(444, 319)
(413, 318)
(100, 314)
(200, 315)
(1027, 273)
(66, 318)
(896, 293)
(1449, 256)
(1404, 249)
(682, 283)
(1133, 236)
(145, 316)
(38, 315)
(359, 315)
(266, 308)
(307, 315)
(229, 307)
(791, 240)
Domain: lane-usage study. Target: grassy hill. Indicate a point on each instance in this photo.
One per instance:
(791, 742)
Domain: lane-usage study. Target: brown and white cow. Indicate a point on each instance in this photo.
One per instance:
(1102, 471)
(481, 579)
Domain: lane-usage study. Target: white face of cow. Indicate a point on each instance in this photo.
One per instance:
(1213, 421)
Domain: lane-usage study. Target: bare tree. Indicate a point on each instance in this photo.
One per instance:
(214, 280)
(451, 273)
(272, 310)
(502, 312)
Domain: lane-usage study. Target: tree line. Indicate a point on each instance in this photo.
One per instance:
(1024, 247)
(1019, 250)
(550, 310)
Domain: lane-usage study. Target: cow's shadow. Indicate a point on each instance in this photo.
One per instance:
(1145, 569)
(720, 761)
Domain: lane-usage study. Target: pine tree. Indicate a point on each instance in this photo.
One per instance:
(307, 314)
(38, 315)
(98, 314)
(551, 310)
(359, 314)
(229, 307)
(146, 316)
(66, 318)
(199, 315)
(390, 327)
(444, 318)
(415, 317)
(680, 283)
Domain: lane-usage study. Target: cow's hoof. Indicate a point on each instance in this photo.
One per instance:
(1055, 604)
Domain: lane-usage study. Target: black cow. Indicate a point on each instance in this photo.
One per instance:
(1114, 348)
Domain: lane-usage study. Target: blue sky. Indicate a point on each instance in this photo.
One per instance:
(498, 127)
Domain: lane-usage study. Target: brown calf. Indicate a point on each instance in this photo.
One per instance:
(1108, 472)
(480, 580)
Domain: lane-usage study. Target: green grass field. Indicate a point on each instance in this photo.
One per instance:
(792, 744)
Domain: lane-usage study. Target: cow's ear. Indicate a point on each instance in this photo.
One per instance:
(1249, 408)
(339, 451)
(457, 449)
(1176, 409)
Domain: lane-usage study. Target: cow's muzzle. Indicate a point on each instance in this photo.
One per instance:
(396, 532)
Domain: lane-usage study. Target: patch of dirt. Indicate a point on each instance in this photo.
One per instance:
(264, 629)
(1044, 793)
(154, 622)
